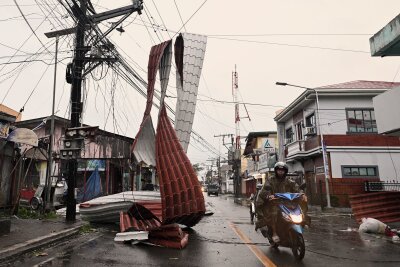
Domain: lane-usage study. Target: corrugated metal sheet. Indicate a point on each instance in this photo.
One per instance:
(170, 236)
(182, 199)
(141, 216)
(129, 223)
(143, 147)
(383, 206)
(165, 70)
(189, 56)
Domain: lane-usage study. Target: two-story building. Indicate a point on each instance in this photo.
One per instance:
(347, 124)
(260, 154)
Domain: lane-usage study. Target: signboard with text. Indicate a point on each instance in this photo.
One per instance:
(268, 145)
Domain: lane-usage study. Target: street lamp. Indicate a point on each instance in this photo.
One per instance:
(326, 173)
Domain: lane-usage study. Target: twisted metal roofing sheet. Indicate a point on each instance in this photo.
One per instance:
(182, 199)
(189, 56)
(141, 216)
(143, 147)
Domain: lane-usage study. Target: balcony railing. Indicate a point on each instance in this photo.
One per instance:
(295, 147)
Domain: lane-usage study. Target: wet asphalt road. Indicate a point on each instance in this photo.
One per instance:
(220, 240)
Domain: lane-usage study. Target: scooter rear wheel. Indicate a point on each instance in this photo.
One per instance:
(298, 246)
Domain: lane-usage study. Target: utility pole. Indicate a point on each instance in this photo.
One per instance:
(76, 106)
(237, 150)
(74, 136)
(48, 182)
(223, 139)
(219, 157)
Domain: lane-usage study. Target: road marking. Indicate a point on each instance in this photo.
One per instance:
(259, 254)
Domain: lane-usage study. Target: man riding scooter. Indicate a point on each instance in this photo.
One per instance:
(266, 212)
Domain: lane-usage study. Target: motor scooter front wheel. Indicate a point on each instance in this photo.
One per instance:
(298, 246)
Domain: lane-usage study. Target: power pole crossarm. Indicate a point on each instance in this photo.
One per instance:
(137, 6)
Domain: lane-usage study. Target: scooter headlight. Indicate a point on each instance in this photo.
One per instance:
(296, 218)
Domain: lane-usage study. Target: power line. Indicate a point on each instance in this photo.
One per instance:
(190, 17)
(180, 16)
(34, 60)
(161, 18)
(29, 25)
(217, 37)
(231, 102)
(291, 45)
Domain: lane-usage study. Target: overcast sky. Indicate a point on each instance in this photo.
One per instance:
(310, 43)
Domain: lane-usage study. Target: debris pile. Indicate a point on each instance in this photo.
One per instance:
(374, 226)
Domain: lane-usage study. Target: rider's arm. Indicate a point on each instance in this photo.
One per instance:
(265, 192)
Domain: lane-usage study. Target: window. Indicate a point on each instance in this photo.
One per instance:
(361, 121)
(360, 171)
(289, 135)
(299, 131)
(311, 125)
(310, 121)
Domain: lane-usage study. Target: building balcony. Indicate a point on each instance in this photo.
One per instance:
(311, 146)
(302, 148)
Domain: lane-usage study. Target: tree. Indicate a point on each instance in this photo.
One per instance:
(197, 168)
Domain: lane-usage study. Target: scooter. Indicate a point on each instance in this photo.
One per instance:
(290, 224)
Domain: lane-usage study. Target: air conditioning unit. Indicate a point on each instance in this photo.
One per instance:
(310, 131)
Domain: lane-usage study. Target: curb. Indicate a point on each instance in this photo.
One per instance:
(36, 243)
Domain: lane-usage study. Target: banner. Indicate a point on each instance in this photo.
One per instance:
(91, 164)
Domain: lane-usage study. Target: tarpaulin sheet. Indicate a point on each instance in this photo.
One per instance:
(92, 188)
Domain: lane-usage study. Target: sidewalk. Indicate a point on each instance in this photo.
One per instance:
(30, 234)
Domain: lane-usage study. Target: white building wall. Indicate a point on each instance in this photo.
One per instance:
(333, 113)
(288, 124)
(388, 163)
(385, 104)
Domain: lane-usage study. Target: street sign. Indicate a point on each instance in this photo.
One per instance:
(269, 145)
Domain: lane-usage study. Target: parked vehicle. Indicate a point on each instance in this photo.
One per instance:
(212, 189)
(58, 195)
(290, 224)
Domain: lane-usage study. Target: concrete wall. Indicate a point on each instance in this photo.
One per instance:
(333, 113)
(386, 162)
(387, 111)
